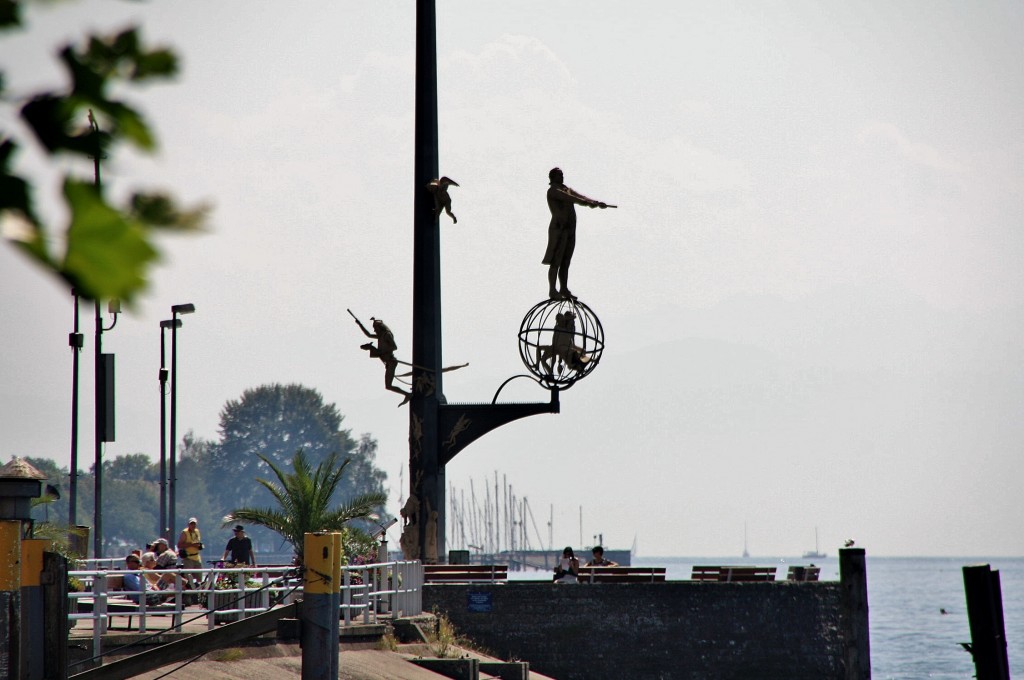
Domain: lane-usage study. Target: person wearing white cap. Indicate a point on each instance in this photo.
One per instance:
(190, 543)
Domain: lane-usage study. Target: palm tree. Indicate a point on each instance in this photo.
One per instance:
(304, 497)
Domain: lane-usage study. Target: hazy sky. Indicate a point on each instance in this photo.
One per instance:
(812, 291)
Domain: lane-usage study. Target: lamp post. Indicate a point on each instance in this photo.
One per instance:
(164, 529)
(187, 308)
(76, 340)
(104, 392)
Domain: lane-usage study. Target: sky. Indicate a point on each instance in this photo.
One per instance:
(811, 291)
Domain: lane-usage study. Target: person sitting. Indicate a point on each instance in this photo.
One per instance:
(599, 560)
(165, 559)
(149, 564)
(568, 567)
(240, 549)
(134, 585)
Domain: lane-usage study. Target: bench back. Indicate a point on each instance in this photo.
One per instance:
(461, 573)
(621, 574)
(733, 574)
(798, 573)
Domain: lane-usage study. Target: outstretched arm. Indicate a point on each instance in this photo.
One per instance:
(579, 198)
(361, 326)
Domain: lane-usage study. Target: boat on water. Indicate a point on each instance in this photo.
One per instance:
(815, 554)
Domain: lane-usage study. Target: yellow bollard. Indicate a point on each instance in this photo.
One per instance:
(336, 604)
(319, 582)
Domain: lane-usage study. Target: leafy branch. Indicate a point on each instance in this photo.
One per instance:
(108, 248)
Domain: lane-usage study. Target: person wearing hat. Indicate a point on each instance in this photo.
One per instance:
(190, 542)
(135, 584)
(240, 548)
(165, 557)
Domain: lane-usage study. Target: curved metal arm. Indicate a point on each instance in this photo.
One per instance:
(521, 375)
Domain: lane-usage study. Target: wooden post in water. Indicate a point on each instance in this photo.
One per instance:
(985, 613)
(853, 581)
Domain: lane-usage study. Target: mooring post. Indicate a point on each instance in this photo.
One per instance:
(316, 611)
(853, 581)
(10, 598)
(55, 616)
(985, 613)
(336, 603)
(32, 612)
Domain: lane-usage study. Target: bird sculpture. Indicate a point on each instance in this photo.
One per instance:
(442, 201)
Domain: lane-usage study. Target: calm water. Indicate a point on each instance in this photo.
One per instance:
(910, 637)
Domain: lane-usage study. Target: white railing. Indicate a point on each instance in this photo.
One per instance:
(391, 589)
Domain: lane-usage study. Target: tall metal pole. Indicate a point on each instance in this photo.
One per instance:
(172, 518)
(172, 498)
(163, 529)
(97, 517)
(427, 474)
(76, 341)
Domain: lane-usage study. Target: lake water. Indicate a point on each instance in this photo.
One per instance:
(911, 639)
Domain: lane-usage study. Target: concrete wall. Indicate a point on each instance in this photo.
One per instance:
(684, 629)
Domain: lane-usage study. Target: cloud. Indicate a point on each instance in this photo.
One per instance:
(916, 152)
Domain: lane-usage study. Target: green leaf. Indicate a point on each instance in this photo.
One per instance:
(17, 217)
(10, 13)
(107, 251)
(159, 63)
(160, 210)
(56, 125)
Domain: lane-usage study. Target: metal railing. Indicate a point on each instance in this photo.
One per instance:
(368, 591)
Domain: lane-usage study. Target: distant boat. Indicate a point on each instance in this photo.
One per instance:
(814, 554)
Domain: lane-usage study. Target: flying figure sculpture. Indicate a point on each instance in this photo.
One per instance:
(442, 201)
(385, 351)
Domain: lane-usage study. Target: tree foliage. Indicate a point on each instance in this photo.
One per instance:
(304, 500)
(268, 424)
(107, 248)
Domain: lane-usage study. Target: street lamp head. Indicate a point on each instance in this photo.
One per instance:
(187, 308)
(114, 306)
(170, 323)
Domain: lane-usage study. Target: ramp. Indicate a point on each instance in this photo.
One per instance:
(192, 646)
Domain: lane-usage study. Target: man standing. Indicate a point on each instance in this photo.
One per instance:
(562, 232)
(190, 542)
(240, 548)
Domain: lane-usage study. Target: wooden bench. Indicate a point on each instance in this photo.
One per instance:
(798, 573)
(122, 606)
(621, 574)
(727, 574)
(464, 573)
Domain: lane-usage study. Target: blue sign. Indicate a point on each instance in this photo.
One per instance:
(479, 602)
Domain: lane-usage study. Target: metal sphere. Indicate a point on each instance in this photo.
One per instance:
(561, 341)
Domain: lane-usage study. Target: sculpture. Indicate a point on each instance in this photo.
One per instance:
(561, 341)
(562, 232)
(410, 540)
(385, 351)
(430, 537)
(562, 345)
(442, 201)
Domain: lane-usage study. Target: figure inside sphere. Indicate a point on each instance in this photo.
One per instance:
(563, 346)
(562, 202)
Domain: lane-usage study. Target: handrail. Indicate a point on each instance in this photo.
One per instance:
(391, 589)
